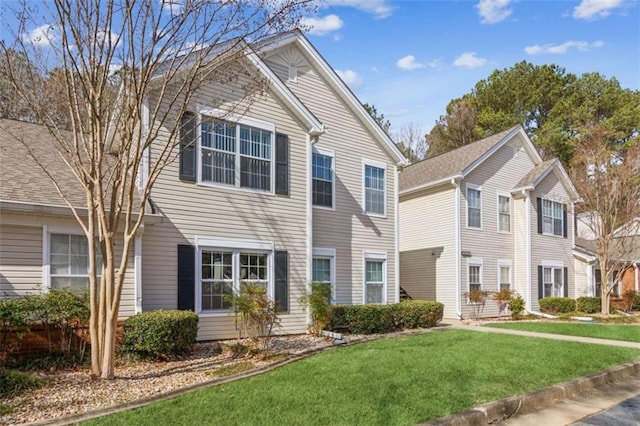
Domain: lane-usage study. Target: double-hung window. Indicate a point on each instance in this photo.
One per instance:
(324, 267)
(475, 274)
(504, 213)
(474, 206)
(374, 188)
(69, 261)
(236, 154)
(552, 279)
(504, 275)
(323, 179)
(225, 271)
(552, 218)
(375, 277)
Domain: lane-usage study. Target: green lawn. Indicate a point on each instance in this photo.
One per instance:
(629, 333)
(398, 381)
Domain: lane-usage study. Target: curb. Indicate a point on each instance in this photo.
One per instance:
(496, 411)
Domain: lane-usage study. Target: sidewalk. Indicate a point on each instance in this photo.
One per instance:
(564, 404)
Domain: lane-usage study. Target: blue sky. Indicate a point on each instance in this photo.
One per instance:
(409, 58)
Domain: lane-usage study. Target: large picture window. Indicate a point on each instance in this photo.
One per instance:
(224, 272)
(69, 261)
(552, 218)
(374, 189)
(322, 180)
(236, 154)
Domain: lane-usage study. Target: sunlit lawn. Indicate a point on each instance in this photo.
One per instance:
(397, 381)
(630, 333)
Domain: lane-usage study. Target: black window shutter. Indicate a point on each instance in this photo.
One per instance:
(564, 220)
(282, 280)
(282, 164)
(186, 277)
(188, 152)
(539, 209)
(540, 282)
(565, 283)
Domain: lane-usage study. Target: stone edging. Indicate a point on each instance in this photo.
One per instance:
(496, 411)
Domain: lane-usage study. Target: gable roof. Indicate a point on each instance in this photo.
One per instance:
(453, 164)
(352, 102)
(539, 172)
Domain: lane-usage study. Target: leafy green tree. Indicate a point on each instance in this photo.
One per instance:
(457, 128)
(379, 118)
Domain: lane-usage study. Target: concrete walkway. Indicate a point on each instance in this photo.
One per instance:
(590, 407)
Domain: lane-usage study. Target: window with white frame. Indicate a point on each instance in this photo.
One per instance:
(223, 272)
(552, 217)
(69, 261)
(475, 274)
(552, 280)
(374, 188)
(236, 154)
(323, 179)
(375, 277)
(504, 276)
(323, 268)
(504, 213)
(474, 209)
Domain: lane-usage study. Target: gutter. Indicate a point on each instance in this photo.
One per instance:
(431, 184)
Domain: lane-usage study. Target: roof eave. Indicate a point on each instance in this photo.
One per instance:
(429, 185)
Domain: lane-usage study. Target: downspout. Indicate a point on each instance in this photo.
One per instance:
(396, 223)
(636, 270)
(527, 221)
(458, 244)
(309, 219)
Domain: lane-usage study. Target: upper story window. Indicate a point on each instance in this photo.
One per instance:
(374, 188)
(474, 209)
(69, 261)
(504, 213)
(236, 154)
(323, 179)
(552, 218)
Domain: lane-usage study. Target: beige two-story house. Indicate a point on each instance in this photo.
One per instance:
(488, 216)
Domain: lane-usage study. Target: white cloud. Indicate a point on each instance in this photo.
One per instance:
(436, 63)
(561, 49)
(409, 63)
(322, 26)
(593, 9)
(493, 11)
(379, 8)
(469, 60)
(351, 78)
(44, 35)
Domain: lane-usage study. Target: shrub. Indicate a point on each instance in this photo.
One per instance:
(502, 299)
(636, 305)
(628, 300)
(516, 306)
(557, 305)
(13, 382)
(319, 302)
(477, 300)
(418, 313)
(370, 319)
(255, 314)
(588, 305)
(160, 334)
(13, 320)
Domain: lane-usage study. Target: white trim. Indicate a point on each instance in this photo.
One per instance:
(475, 261)
(478, 188)
(143, 168)
(324, 252)
(379, 165)
(232, 243)
(430, 184)
(237, 119)
(308, 221)
(505, 263)
(396, 230)
(528, 272)
(137, 265)
(590, 277)
(458, 246)
(327, 253)
(562, 203)
(374, 256)
(552, 263)
(46, 262)
(506, 195)
(332, 154)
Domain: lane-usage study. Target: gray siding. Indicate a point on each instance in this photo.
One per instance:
(418, 273)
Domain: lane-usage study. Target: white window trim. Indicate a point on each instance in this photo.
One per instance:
(505, 263)
(469, 186)
(374, 256)
(46, 249)
(328, 253)
(507, 195)
(475, 261)
(551, 234)
(380, 165)
(235, 246)
(237, 120)
(332, 154)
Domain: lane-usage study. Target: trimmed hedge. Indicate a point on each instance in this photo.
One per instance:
(160, 334)
(589, 305)
(372, 319)
(557, 305)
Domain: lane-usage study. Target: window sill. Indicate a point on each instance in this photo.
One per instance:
(234, 188)
(546, 234)
(331, 209)
(381, 216)
(473, 228)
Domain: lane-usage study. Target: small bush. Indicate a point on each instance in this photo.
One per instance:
(371, 319)
(628, 300)
(160, 334)
(13, 382)
(418, 313)
(14, 318)
(516, 306)
(319, 302)
(589, 305)
(636, 305)
(255, 313)
(476, 299)
(502, 299)
(557, 305)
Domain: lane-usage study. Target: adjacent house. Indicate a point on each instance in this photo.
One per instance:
(300, 186)
(488, 216)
